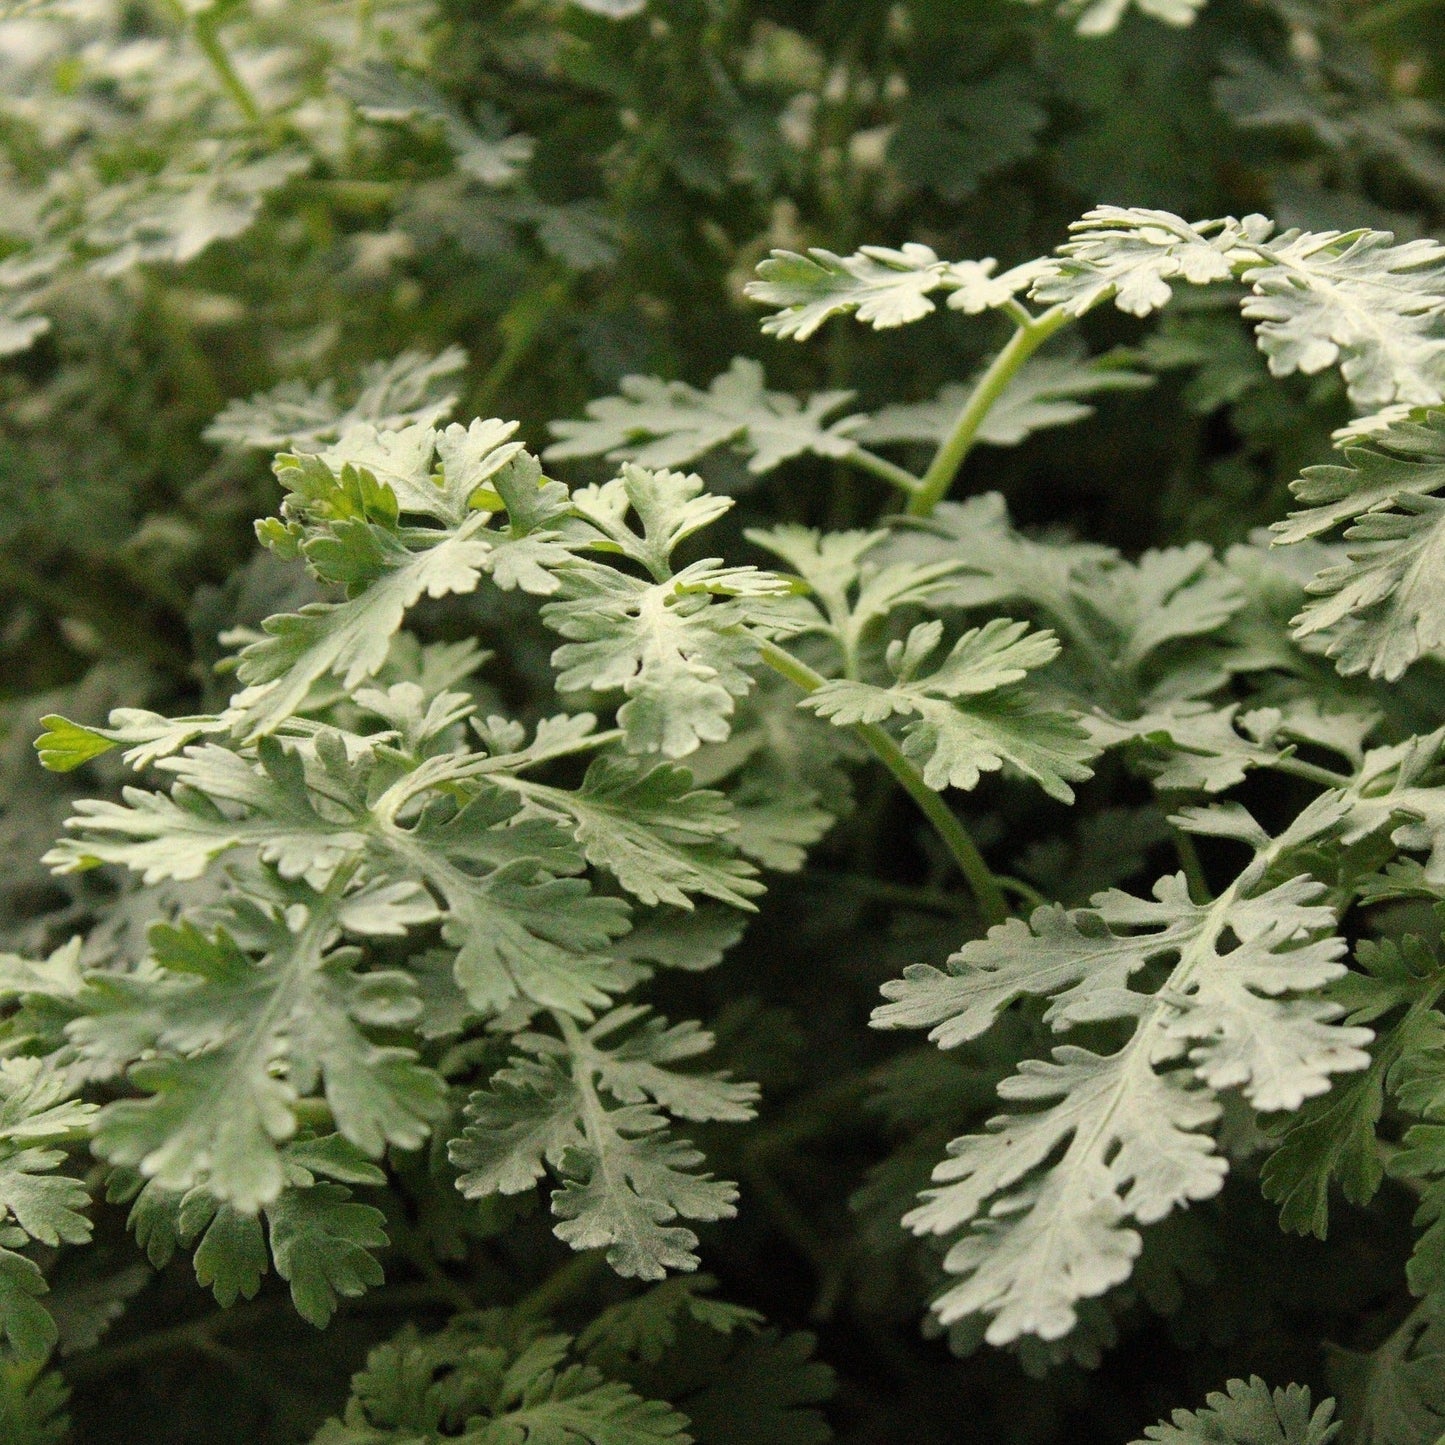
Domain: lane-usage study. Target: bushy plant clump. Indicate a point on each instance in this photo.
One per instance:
(878, 877)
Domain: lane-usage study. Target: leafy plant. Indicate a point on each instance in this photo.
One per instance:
(453, 922)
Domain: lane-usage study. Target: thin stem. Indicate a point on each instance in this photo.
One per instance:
(205, 27)
(414, 1249)
(196, 1334)
(1193, 868)
(1031, 334)
(559, 1286)
(1025, 892)
(1297, 767)
(890, 472)
(814, 1114)
(946, 823)
(65, 598)
(520, 327)
(924, 900)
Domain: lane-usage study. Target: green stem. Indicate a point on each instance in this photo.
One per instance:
(559, 1286)
(813, 1115)
(924, 900)
(1026, 893)
(1297, 767)
(520, 327)
(414, 1249)
(314, 1114)
(890, 472)
(1193, 868)
(206, 27)
(795, 1226)
(946, 823)
(1031, 334)
(349, 194)
(63, 598)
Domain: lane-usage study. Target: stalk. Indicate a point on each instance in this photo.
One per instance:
(890, 472)
(1031, 334)
(956, 838)
(204, 28)
(1311, 772)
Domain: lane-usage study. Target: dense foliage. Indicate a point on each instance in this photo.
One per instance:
(448, 913)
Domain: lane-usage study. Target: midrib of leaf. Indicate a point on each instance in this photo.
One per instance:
(1139, 1049)
(1195, 955)
(594, 1115)
(301, 959)
(575, 805)
(296, 964)
(507, 762)
(442, 874)
(269, 702)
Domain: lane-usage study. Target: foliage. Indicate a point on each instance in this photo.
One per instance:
(446, 912)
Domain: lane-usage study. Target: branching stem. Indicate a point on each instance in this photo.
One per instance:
(197, 1334)
(890, 472)
(950, 829)
(204, 28)
(1297, 767)
(1031, 334)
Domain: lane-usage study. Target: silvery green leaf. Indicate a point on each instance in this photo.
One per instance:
(211, 193)
(1102, 17)
(1250, 1414)
(1048, 1200)
(1356, 299)
(410, 389)
(659, 423)
(588, 1109)
(676, 648)
(1189, 745)
(223, 1044)
(967, 717)
(1135, 256)
(885, 287)
(664, 839)
(483, 150)
(1378, 608)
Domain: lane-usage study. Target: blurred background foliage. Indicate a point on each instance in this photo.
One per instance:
(410, 206)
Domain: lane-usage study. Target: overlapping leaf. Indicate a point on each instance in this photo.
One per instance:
(409, 390)
(344, 516)
(483, 1381)
(883, 286)
(967, 717)
(1048, 391)
(669, 423)
(224, 1043)
(1249, 1413)
(676, 646)
(38, 1117)
(320, 1238)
